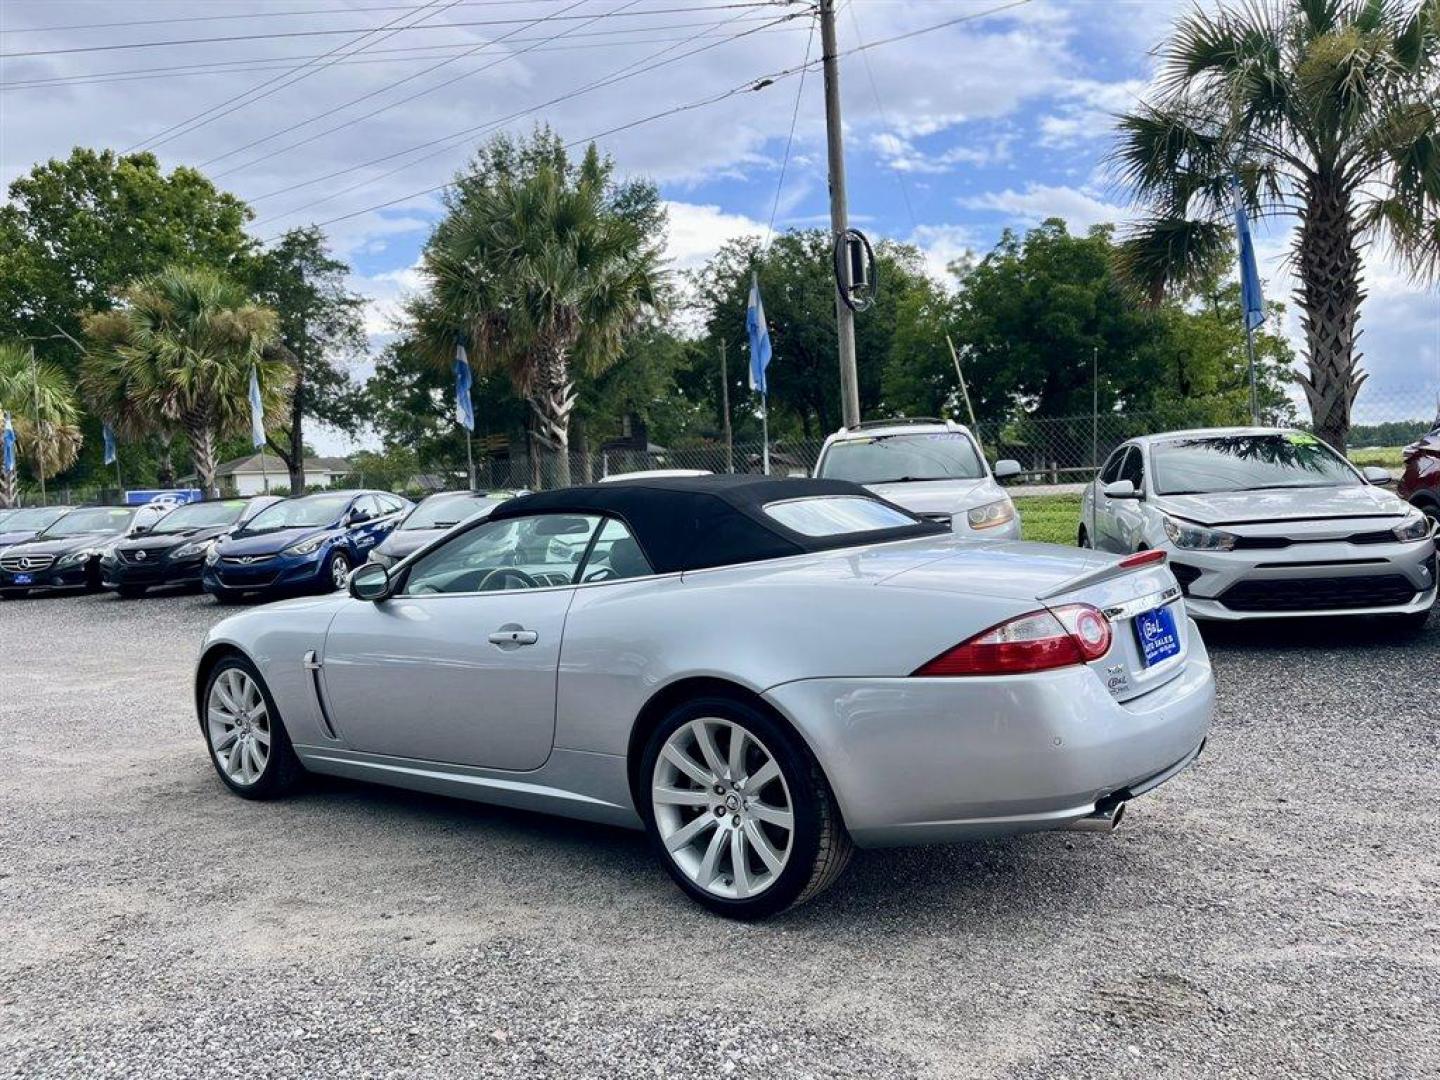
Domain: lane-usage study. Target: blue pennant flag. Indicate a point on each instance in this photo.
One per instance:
(9, 440)
(759, 336)
(464, 407)
(257, 411)
(1251, 299)
(108, 435)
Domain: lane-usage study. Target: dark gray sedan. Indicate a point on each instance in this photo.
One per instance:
(433, 517)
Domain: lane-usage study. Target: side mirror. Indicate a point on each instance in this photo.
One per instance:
(371, 582)
(1121, 489)
(356, 517)
(1376, 475)
(138, 530)
(1006, 468)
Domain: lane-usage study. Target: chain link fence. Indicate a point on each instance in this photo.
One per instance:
(1050, 450)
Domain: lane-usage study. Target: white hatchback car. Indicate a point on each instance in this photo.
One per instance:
(1264, 522)
(933, 468)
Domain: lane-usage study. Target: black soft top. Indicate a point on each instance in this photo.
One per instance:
(692, 522)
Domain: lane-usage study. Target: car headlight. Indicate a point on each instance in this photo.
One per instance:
(1413, 528)
(1197, 537)
(76, 557)
(307, 547)
(190, 551)
(991, 514)
(213, 555)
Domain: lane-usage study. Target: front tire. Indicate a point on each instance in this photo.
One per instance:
(738, 811)
(338, 572)
(248, 744)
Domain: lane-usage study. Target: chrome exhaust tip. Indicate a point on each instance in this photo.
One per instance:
(1105, 819)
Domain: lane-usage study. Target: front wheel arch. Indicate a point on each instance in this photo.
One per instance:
(208, 659)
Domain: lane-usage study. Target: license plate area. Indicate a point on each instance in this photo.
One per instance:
(1157, 635)
(23, 579)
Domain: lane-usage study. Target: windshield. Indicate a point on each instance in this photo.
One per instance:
(200, 516)
(443, 511)
(100, 519)
(893, 459)
(1220, 463)
(312, 510)
(32, 520)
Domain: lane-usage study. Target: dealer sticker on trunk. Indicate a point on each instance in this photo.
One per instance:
(1159, 639)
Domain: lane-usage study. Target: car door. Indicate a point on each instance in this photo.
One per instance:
(366, 527)
(459, 665)
(1106, 524)
(1128, 515)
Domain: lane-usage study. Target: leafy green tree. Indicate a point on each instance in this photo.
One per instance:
(545, 267)
(48, 443)
(1328, 112)
(184, 354)
(322, 327)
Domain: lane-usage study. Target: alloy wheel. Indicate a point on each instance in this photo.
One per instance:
(339, 571)
(722, 808)
(237, 723)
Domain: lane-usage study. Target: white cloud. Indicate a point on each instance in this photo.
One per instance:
(942, 245)
(1080, 208)
(697, 232)
(901, 155)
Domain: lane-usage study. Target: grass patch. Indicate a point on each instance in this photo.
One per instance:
(1051, 519)
(1384, 457)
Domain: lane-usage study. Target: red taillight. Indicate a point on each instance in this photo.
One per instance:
(1039, 641)
(1143, 558)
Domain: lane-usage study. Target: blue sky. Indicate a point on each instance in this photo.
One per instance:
(999, 121)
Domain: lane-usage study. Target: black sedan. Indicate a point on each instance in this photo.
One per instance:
(20, 526)
(173, 551)
(66, 555)
(434, 516)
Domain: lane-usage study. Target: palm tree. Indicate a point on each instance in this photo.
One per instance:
(178, 354)
(1326, 111)
(540, 272)
(25, 386)
(107, 383)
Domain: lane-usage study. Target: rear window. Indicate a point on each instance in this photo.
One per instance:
(837, 515)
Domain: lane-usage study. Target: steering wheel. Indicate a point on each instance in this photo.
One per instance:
(500, 573)
(603, 573)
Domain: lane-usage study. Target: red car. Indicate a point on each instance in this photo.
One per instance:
(1421, 482)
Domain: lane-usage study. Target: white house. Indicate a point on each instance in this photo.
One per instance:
(252, 476)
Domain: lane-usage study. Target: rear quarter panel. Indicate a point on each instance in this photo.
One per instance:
(624, 642)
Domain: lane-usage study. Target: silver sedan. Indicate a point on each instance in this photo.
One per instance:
(1265, 522)
(761, 673)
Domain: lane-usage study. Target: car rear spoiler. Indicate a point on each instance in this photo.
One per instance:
(1141, 559)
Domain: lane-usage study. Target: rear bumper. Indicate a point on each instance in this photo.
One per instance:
(1307, 581)
(920, 761)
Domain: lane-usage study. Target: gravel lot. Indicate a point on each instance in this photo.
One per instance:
(1275, 912)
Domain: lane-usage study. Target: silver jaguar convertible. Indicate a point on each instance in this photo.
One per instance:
(760, 673)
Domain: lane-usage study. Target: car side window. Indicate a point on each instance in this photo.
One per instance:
(365, 509)
(615, 556)
(1134, 469)
(536, 552)
(1111, 472)
(389, 504)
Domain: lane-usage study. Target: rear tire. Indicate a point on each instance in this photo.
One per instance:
(1083, 540)
(248, 744)
(772, 807)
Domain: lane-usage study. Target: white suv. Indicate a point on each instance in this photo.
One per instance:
(933, 468)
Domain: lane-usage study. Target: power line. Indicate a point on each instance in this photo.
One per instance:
(333, 33)
(277, 83)
(401, 82)
(794, 119)
(753, 85)
(884, 116)
(251, 15)
(376, 56)
(632, 70)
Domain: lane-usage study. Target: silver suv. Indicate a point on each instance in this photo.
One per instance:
(933, 468)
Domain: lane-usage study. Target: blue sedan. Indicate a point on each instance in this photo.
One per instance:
(305, 544)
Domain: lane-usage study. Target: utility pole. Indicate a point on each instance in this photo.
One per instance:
(839, 223)
(1095, 406)
(725, 402)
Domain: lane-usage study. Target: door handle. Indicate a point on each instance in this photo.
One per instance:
(514, 637)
